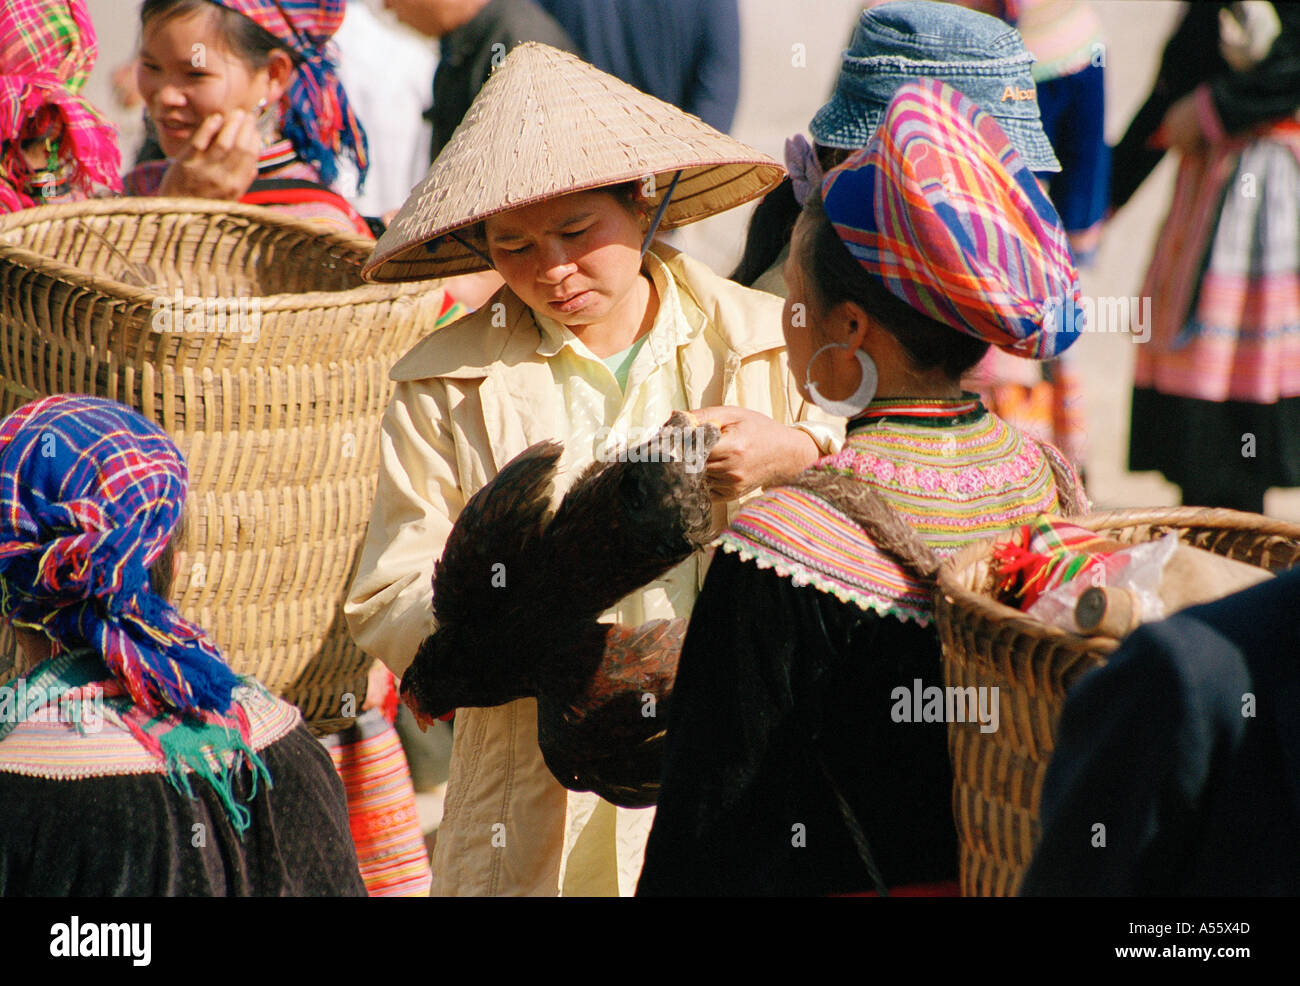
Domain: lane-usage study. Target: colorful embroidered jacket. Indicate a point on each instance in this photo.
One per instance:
(810, 651)
(956, 474)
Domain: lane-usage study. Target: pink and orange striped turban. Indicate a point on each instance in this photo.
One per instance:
(941, 207)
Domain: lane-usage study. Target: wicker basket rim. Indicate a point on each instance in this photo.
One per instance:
(134, 296)
(966, 599)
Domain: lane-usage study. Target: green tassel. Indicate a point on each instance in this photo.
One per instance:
(183, 743)
(184, 748)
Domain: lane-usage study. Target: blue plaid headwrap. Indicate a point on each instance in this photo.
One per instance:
(90, 493)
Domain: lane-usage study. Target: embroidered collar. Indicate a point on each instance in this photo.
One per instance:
(953, 485)
(50, 187)
(935, 412)
(55, 677)
(275, 156)
(212, 747)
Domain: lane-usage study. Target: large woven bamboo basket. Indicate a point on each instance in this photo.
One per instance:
(272, 376)
(998, 776)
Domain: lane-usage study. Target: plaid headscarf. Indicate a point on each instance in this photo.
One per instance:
(90, 492)
(941, 207)
(318, 118)
(47, 49)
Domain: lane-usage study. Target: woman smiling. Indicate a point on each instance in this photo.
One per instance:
(247, 105)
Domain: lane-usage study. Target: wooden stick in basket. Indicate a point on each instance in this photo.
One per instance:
(1191, 576)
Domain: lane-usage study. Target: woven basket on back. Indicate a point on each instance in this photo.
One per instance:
(998, 776)
(274, 397)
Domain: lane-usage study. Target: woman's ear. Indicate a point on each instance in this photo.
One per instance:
(279, 71)
(849, 324)
(642, 209)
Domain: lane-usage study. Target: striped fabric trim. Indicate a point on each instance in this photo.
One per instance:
(802, 538)
(382, 815)
(146, 180)
(44, 746)
(953, 486)
(275, 156)
(919, 409)
(1224, 316)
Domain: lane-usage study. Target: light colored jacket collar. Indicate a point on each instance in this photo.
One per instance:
(520, 404)
(505, 332)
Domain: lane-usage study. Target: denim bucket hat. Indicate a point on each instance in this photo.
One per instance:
(974, 53)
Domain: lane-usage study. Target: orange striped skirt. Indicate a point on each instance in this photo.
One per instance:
(381, 808)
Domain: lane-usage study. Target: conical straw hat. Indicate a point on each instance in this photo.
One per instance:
(545, 124)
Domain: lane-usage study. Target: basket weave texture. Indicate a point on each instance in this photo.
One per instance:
(274, 394)
(998, 776)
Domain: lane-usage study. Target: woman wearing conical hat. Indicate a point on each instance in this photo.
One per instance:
(557, 178)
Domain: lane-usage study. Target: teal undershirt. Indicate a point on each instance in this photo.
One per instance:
(620, 364)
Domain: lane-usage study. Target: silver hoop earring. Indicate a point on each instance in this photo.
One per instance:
(857, 402)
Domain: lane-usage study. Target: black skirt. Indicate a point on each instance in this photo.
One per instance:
(1225, 450)
(783, 695)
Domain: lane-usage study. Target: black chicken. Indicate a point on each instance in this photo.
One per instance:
(517, 594)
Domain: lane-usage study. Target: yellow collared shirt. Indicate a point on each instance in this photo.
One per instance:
(601, 418)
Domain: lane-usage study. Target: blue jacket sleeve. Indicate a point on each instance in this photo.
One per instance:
(1140, 741)
(715, 88)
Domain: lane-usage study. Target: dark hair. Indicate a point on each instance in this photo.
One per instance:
(628, 192)
(242, 35)
(162, 573)
(770, 226)
(834, 276)
(772, 222)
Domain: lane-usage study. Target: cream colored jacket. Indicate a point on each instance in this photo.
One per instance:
(468, 399)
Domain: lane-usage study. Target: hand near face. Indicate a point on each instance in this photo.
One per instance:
(754, 451)
(219, 161)
(1180, 130)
